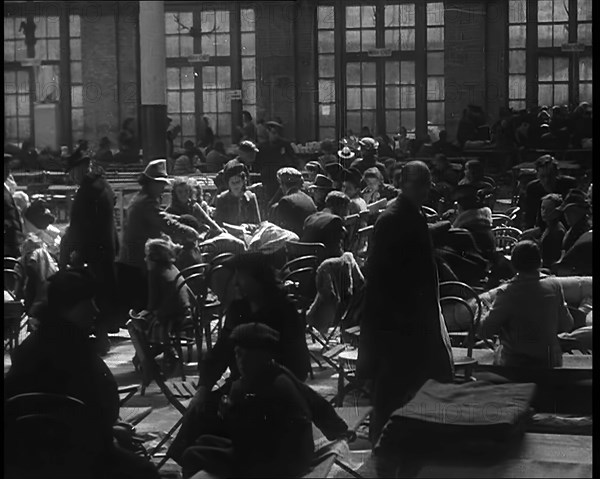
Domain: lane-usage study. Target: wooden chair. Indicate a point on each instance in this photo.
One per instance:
(297, 249)
(506, 238)
(467, 363)
(362, 244)
(499, 219)
(298, 263)
(352, 224)
(220, 258)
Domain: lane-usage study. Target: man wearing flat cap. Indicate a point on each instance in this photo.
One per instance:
(548, 181)
(295, 205)
(13, 224)
(319, 190)
(274, 154)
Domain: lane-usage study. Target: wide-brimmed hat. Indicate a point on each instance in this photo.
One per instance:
(247, 145)
(322, 183)
(352, 175)
(368, 143)
(255, 336)
(574, 197)
(156, 170)
(346, 153)
(233, 168)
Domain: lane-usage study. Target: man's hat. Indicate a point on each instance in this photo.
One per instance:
(352, 175)
(346, 153)
(322, 182)
(157, 170)
(39, 214)
(289, 175)
(255, 336)
(68, 287)
(247, 145)
(76, 159)
(574, 197)
(334, 170)
(274, 124)
(368, 143)
(314, 166)
(233, 168)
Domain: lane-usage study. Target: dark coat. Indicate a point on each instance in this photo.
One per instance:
(13, 226)
(292, 210)
(270, 158)
(402, 318)
(534, 194)
(362, 165)
(235, 211)
(326, 228)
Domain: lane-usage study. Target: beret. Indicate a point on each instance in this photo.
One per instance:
(255, 335)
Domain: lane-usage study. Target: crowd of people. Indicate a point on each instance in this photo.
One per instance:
(433, 223)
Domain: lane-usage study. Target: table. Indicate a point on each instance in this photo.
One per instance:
(536, 455)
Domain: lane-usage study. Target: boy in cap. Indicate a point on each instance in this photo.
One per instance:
(295, 205)
(264, 427)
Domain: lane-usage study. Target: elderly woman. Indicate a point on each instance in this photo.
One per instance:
(236, 205)
(183, 202)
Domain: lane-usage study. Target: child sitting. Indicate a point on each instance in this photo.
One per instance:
(528, 314)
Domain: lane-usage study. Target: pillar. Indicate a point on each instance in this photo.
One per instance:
(153, 80)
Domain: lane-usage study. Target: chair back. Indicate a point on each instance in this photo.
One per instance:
(195, 268)
(220, 258)
(506, 237)
(499, 219)
(454, 309)
(490, 180)
(431, 214)
(301, 262)
(296, 249)
(464, 291)
(352, 224)
(301, 287)
(220, 283)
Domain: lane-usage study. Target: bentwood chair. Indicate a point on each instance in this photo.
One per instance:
(451, 307)
(296, 249)
(506, 238)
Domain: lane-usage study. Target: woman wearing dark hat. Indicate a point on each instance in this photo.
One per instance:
(145, 220)
(319, 190)
(236, 205)
(352, 179)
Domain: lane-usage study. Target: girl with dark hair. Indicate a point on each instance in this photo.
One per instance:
(183, 202)
(237, 205)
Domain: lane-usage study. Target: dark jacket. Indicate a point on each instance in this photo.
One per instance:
(292, 210)
(235, 211)
(402, 317)
(534, 194)
(574, 233)
(327, 228)
(363, 164)
(13, 226)
(166, 296)
(270, 158)
(551, 243)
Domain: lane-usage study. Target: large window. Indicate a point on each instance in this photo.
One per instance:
(76, 78)
(435, 66)
(552, 52)
(326, 69)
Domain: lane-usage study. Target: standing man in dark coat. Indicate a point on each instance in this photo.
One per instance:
(295, 205)
(404, 340)
(92, 239)
(13, 223)
(273, 155)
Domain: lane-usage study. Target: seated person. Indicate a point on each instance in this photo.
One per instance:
(237, 205)
(259, 297)
(328, 155)
(184, 166)
(295, 205)
(264, 423)
(168, 303)
(334, 171)
(38, 266)
(313, 168)
(59, 358)
(376, 189)
(351, 187)
(185, 201)
(528, 314)
(190, 253)
(216, 158)
(321, 186)
(38, 220)
(474, 175)
(327, 226)
(576, 211)
(443, 146)
(578, 260)
(104, 154)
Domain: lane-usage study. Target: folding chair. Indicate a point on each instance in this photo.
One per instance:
(449, 306)
(296, 249)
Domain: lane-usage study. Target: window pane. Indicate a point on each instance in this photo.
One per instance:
(76, 72)
(435, 88)
(392, 39)
(77, 119)
(224, 73)
(407, 72)
(20, 50)
(248, 68)
(52, 27)
(53, 49)
(585, 92)
(222, 21)
(326, 91)
(188, 125)
(545, 36)
(187, 19)
(41, 49)
(173, 102)
(326, 66)
(435, 112)
(353, 121)
(75, 47)
(392, 121)
(327, 115)
(171, 26)
(584, 10)
(9, 27)
(207, 21)
(407, 120)
(545, 69)
(516, 61)
(326, 133)
(326, 42)
(224, 124)
(368, 119)
(560, 12)
(172, 47)
(172, 78)
(516, 11)
(367, 16)
(223, 101)
(435, 38)
(585, 69)
(222, 44)
(24, 127)
(249, 92)
(517, 86)
(208, 44)
(209, 101)
(353, 41)
(517, 105)
(187, 78)
(209, 77)
(516, 36)
(10, 105)
(353, 73)
(407, 97)
(392, 73)
(9, 51)
(248, 44)
(368, 73)
(392, 15)
(545, 96)
(10, 82)
(187, 102)
(584, 33)
(11, 128)
(392, 97)
(325, 17)
(353, 98)
(407, 15)
(74, 25)
(435, 64)
(23, 81)
(352, 17)
(561, 35)
(368, 40)
(23, 105)
(186, 46)
(76, 96)
(435, 13)
(561, 94)
(247, 20)
(561, 69)
(407, 39)
(545, 10)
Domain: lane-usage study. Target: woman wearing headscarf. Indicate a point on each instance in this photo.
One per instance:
(236, 205)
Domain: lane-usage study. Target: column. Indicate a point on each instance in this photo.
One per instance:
(153, 81)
